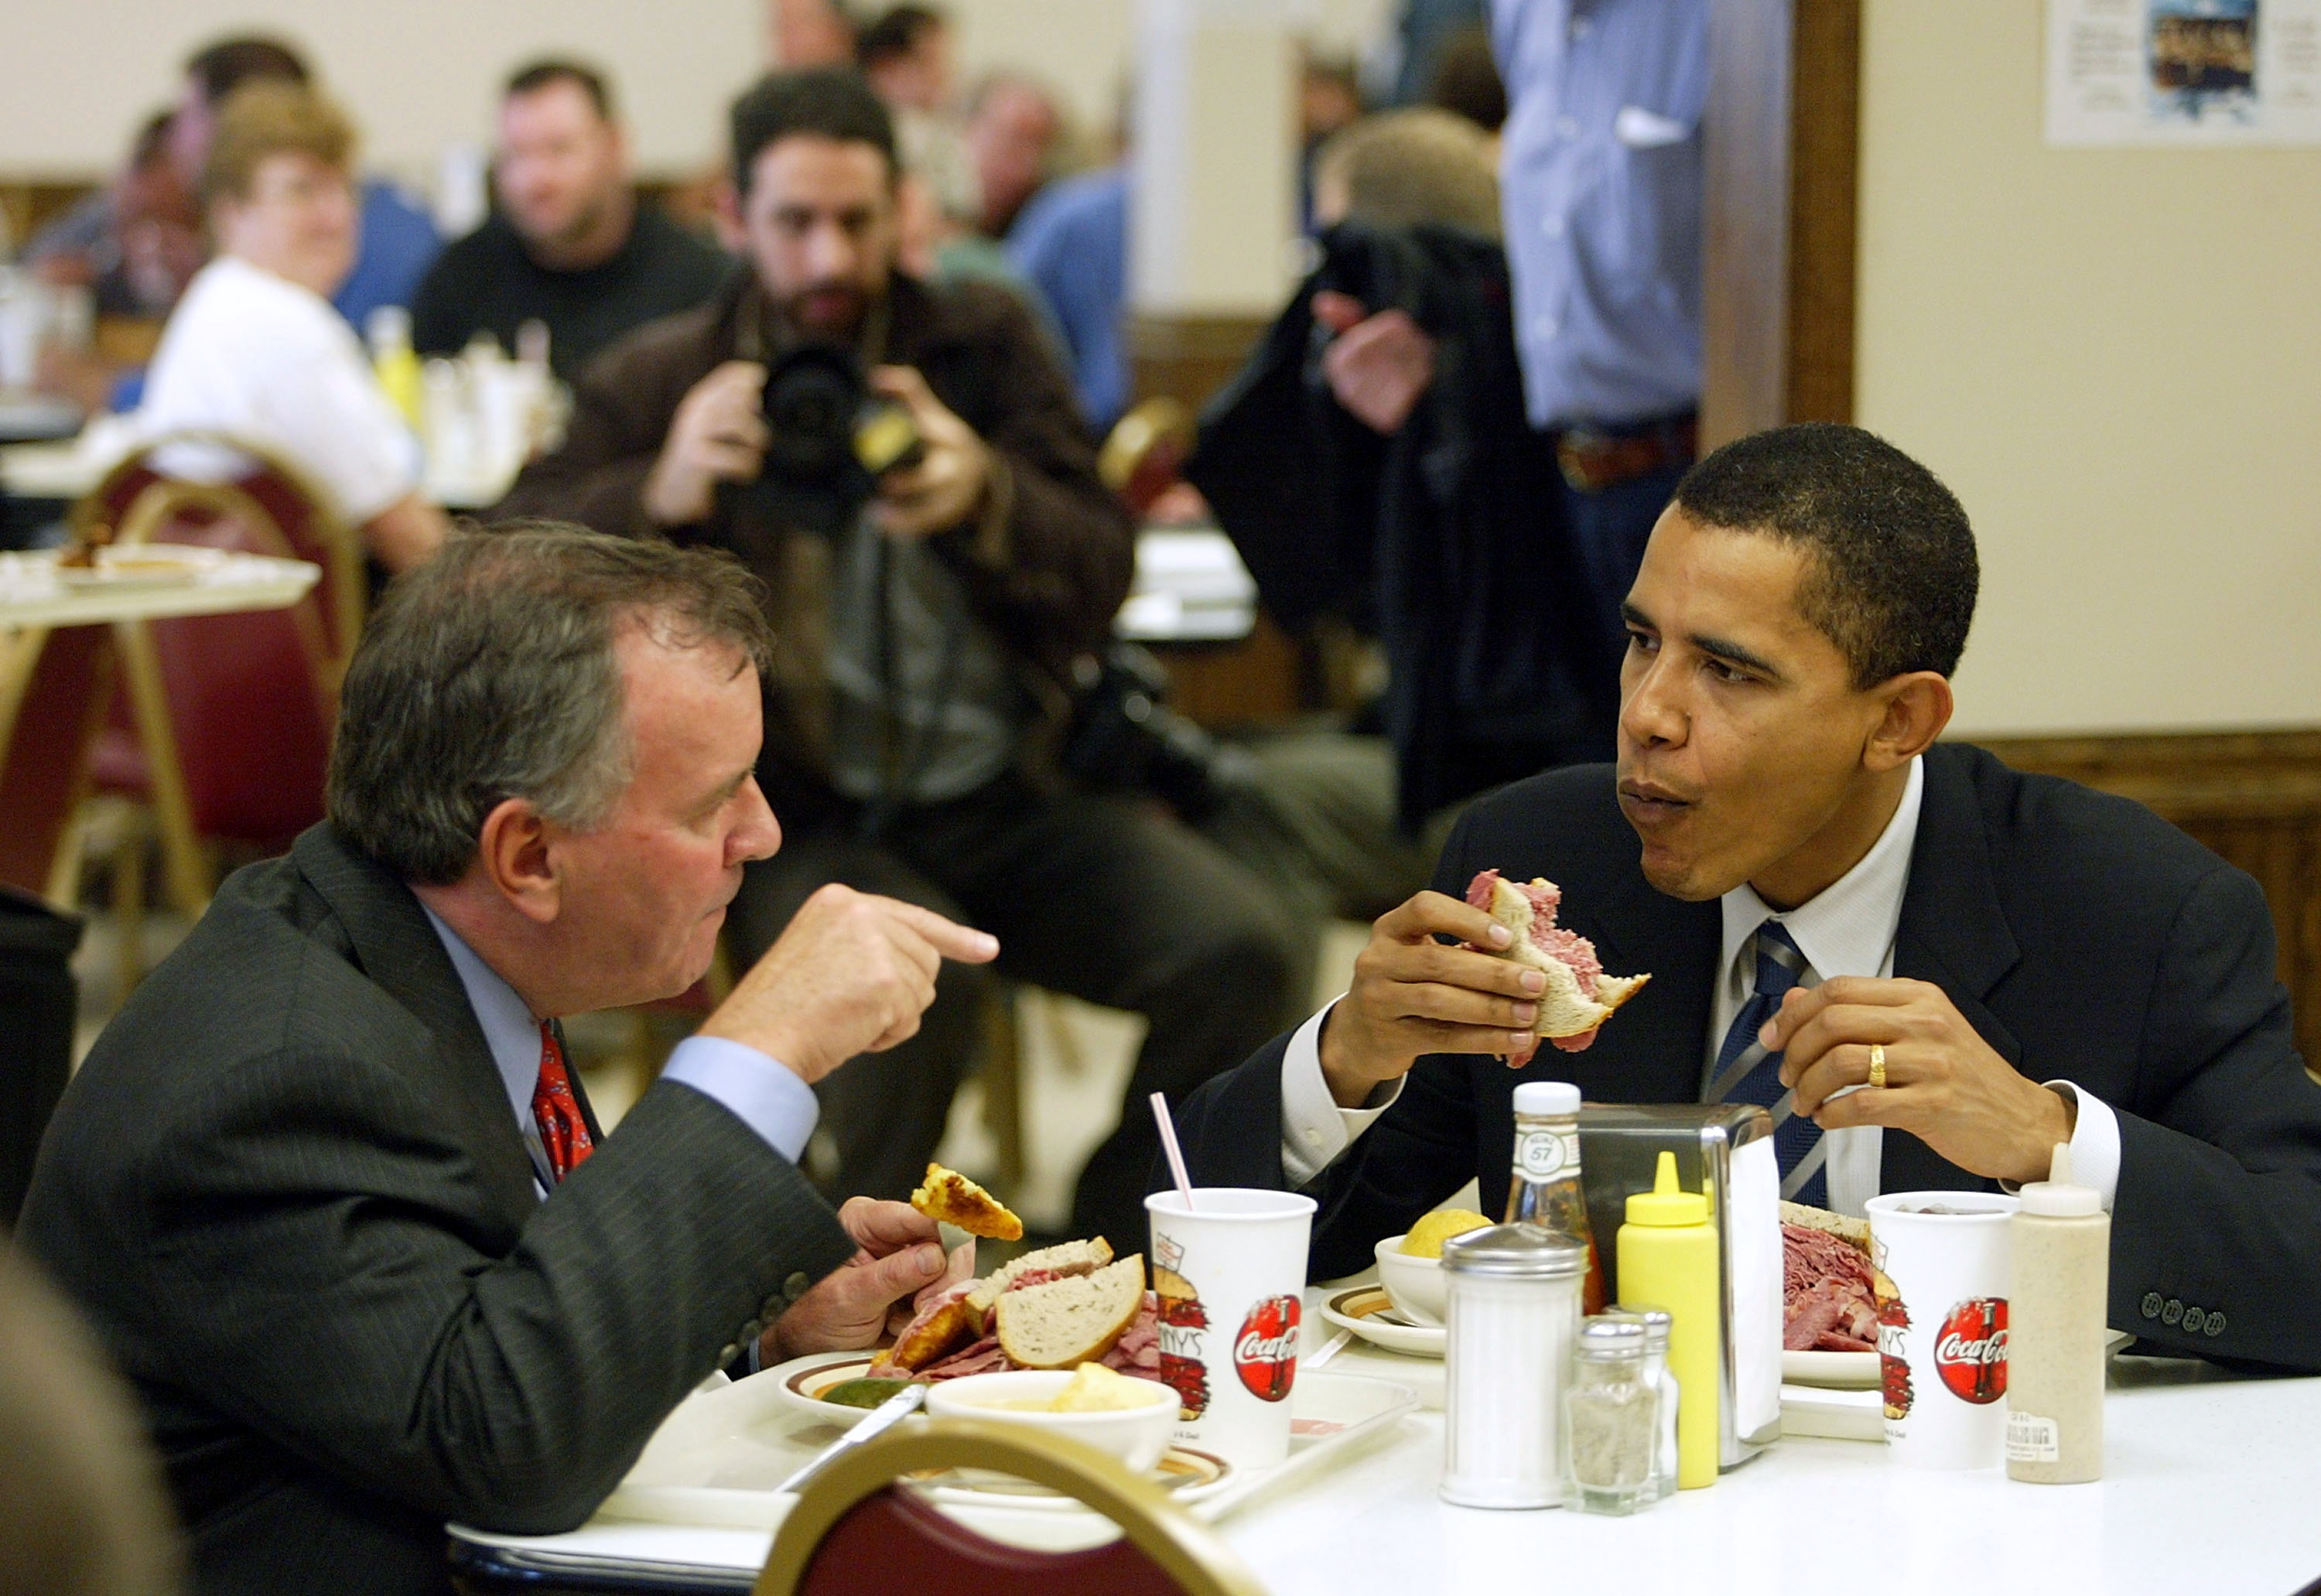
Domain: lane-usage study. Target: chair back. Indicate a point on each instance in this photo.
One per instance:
(301, 512)
(233, 710)
(856, 1530)
(1144, 454)
(54, 685)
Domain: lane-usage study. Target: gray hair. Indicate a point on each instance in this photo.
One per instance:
(489, 673)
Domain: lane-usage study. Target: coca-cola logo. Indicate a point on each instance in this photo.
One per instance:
(1265, 1352)
(1971, 1350)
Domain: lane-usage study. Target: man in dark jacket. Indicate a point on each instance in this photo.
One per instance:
(326, 1188)
(927, 619)
(1930, 969)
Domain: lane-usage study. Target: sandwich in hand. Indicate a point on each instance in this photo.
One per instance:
(950, 1198)
(1579, 997)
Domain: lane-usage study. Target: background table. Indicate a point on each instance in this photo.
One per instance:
(2208, 1491)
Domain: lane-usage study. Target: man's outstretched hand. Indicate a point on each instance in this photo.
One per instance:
(1378, 365)
(852, 975)
(1412, 995)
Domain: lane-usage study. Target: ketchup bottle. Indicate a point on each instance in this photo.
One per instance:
(1545, 1190)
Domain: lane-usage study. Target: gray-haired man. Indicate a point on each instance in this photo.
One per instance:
(327, 1188)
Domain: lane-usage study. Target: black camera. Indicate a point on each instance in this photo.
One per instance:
(1123, 736)
(831, 439)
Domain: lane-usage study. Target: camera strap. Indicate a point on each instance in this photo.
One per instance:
(898, 775)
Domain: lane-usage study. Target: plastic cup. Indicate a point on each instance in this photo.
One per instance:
(1942, 1332)
(1230, 1272)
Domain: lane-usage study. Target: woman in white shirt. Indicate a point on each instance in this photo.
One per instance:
(254, 349)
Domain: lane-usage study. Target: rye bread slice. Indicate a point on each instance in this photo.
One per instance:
(1064, 1323)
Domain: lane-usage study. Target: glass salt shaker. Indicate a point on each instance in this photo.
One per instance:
(1611, 1420)
(1657, 1323)
(1514, 1310)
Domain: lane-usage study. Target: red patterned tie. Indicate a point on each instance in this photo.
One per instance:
(557, 1111)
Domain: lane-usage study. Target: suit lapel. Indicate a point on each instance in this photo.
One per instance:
(1953, 933)
(398, 951)
(1658, 1038)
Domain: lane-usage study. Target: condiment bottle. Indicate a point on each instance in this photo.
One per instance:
(1513, 1308)
(1669, 1255)
(1611, 1420)
(1656, 1322)
(2055, 1304)
(1546, 1188)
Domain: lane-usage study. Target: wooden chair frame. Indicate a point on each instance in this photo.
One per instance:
(1188, 1550)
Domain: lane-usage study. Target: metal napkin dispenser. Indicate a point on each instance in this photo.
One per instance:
(1725, 1150)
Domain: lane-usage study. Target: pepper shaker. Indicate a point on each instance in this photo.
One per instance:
(1611, 1421)
(1656, 1322)
(1514, 1307)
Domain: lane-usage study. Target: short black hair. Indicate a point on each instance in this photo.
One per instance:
(539, 74)
(824, 101)
(1892, 573)
(226, 66)
(897, 33)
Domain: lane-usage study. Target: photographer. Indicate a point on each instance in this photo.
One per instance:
(904, 466)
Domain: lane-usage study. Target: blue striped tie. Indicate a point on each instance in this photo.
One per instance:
(1747, 1073)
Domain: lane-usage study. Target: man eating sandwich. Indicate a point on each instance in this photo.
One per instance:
(1928, 968)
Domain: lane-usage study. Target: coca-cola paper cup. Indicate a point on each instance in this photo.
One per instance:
(1229, 1271)
(1943, 1261)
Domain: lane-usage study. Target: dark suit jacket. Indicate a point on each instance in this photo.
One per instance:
(288, 1189)
(2083, 937)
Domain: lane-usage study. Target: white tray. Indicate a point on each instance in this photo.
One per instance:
(715, 1460)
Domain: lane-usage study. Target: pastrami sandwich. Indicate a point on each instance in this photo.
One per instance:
(1054, 1308)
(1579, 997)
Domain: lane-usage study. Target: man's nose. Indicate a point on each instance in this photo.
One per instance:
(830, 254)
(758, 836)
(1649, 713)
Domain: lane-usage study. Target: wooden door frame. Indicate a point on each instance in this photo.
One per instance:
(1779, 150)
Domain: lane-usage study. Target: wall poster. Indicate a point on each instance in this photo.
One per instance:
(2135, 72)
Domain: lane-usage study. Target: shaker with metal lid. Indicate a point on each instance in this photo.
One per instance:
(1657, 1322)
(1611, 1421)
(1514, 1307)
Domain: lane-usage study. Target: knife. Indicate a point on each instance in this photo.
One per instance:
(884, 1417)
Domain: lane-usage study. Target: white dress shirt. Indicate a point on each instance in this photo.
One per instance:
(261, 359)
(1848, 929)
(764, 1095)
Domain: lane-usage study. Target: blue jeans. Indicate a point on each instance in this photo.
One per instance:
(1609, 531)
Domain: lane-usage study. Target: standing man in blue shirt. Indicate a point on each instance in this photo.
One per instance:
(1600, 194)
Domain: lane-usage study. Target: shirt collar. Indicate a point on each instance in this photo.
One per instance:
(506, 1019)
(1848, 927)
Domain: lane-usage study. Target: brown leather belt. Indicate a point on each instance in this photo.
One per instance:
(1593, 459)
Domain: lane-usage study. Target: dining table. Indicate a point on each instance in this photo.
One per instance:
(2206, 1488)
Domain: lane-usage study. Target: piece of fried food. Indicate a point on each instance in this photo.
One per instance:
(950, 1198)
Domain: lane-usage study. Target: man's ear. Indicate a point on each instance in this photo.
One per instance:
(725, 211)
(513, 852)
(1919, 706)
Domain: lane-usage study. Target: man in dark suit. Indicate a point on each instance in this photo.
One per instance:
(1932, 969)
(326, 1188)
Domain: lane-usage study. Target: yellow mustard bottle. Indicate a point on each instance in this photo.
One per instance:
(1670, 1258)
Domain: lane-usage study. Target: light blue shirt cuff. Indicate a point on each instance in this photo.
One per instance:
(766, 1096)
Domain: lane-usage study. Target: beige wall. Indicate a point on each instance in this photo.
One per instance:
(2114, 358)
(76, 79)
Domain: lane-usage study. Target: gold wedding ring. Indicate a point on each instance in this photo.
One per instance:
(1878, 1063)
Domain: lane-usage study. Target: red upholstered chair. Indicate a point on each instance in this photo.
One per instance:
(856, 1532)
(54, 685)
(228, 724)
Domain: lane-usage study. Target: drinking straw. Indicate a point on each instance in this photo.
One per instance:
(1169, 1145)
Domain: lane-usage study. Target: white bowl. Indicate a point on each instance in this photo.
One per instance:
(1420, 1293)
(1135, 1436)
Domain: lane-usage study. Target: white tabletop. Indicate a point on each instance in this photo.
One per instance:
(31, 593)
(2209, 1489)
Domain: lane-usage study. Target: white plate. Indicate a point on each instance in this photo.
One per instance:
(804, 1379)
(1833, 1415)
(1833, 1370)
(1368, 1313)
